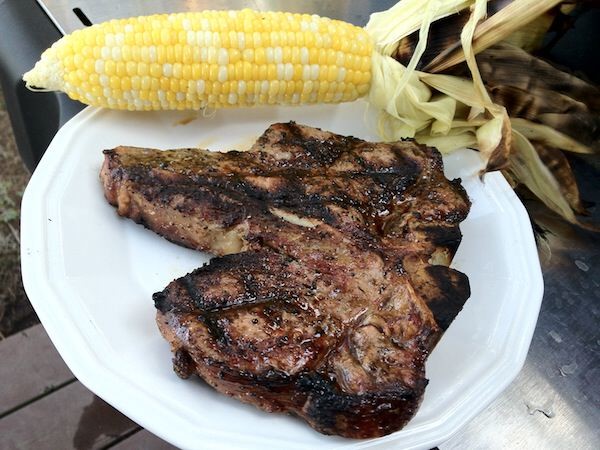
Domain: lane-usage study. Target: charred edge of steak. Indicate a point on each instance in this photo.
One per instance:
(357, 416)
(444, 289)
(448, 237)
(449, 291)
(312, 396)
(183, 364)
(111, 176)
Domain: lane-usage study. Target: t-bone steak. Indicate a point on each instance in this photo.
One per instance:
(330, 284)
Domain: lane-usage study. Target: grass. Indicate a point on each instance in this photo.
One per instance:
(16, 312)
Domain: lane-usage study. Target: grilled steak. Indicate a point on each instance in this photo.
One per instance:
(330, 286)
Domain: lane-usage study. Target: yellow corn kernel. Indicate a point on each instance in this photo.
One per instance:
(186, 72)
(143, 69)
(155, 70)
(125, 84)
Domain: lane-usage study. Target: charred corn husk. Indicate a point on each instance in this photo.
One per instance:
(444, 36)
(553, 112)
(533, 89)
(529, 169)
(559, 167)
(496, 28)
(508, 65)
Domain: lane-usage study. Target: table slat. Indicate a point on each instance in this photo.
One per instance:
(143, 439)
(30, 368)
(69, 418)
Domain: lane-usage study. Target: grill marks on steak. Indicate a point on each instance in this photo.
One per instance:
(317, 305)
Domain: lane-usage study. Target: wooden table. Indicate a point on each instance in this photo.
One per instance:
(43, 406)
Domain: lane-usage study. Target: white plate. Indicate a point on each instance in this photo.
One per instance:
(90, 276)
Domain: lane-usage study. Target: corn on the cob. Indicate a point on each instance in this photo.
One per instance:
(209, 59)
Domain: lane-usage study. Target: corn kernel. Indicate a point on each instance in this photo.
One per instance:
(120, 69)
(125, 84)
(177, 70)
(178, 52)
(155, 70)
(262, 72)
(115, 82)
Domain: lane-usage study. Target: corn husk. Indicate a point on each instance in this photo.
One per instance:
(550, 111)
(389, 27)
(492, 132)
(527, 167)
(444, 36)
(585, 128)
(507, 65)
(530, 104)
(410, 109)
(559, 166)
(494, 137)
(408, 105)
(555, 112)
(533, 89)
(496, 28)
(531, 37)
(456, 138)
(547, 174)
(548, 136)
(426, 106)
